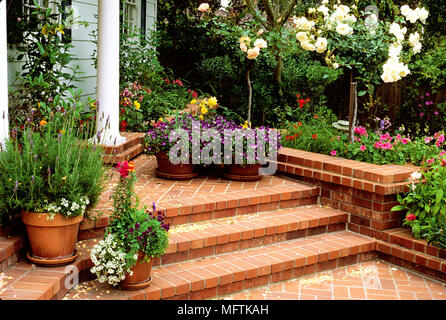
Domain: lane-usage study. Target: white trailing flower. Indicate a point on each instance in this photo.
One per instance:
(308, 46)
(397, 31)
(109, 261)
(302, 36)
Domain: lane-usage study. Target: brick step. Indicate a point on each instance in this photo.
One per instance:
(232, 272)
(384, 174)
(132, 139)
(404, 238)
(412, 259)
(329, 176)
(125, 155)
(203, 239)
(10, 248)
(206, 207)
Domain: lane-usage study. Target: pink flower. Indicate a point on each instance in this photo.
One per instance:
(421, 114)
(436, 113)
(430, 160)
(428, 139)
(404, 141)
(361, 131)
(362, 148)
(333, 152)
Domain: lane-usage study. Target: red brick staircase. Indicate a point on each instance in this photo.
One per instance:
(239, 236)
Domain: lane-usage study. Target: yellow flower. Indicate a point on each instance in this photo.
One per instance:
(42, 123)
(62, 131)
(60, 29)
(45, 30)
(204, 110)
(201, 117)
(64, 178)
(202, 104)
(246, 125)
(137, 105)
(194, 101)
(212, 102)
(93, 105)
(160, 119)
(38, 103)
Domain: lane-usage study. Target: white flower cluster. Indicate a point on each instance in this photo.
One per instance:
(64, 207)
(394, 69)
(340, 19)
(109, 261)
(413, 15)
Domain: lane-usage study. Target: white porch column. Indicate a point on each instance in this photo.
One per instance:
(107, 122)
(4, 122)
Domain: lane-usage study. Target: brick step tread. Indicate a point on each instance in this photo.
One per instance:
(213, 206)
(126, 155)
(10, 246)
(196, 240)
(412, 256)
(404, 238)
(132, 139)
(347, 181)
(27, 281)
(372, 172)
(231, 272)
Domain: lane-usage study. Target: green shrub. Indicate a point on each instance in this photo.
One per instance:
(425, 202)
(47, 169)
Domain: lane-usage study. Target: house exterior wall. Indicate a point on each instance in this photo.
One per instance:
(84, 47)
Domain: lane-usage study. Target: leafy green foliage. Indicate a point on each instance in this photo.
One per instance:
(45, 164)
(425, 203)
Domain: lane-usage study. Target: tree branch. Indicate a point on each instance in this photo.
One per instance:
(286, 14)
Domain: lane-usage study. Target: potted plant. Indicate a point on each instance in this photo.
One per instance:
(157, 143)
(133, 238)
(52, 177)
(247, 158)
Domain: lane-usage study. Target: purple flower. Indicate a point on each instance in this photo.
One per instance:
(16, 186)
(421, 114)
(137, 225)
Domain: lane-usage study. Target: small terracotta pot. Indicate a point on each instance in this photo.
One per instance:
(141, 277)
(238, 172)
(52, 241)
(168, 170)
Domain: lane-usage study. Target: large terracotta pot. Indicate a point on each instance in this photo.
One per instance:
(52, 241)
(141, 277)
(238, 172)
(168, 170)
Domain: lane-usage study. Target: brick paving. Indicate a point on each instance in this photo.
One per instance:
(371, 280)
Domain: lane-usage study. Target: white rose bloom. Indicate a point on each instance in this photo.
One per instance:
(414, 38)
(335, 65)
(260, 43)
(303, 24)
(321, 45)
(311, 10)
(395, 50)
(417, 48)
(422, 14)
(405, 10)
(343, 8)
(307, 46)
(344, 29)
(325, 1)
(323, 9)
(412, 16)
(302, 36)
(396, 30)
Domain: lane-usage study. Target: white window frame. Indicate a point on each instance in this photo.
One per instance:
(28, 5)
(131, 13)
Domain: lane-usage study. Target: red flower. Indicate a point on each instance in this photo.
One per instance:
(411, 217)
(124, 168)
(314, 136)
(194, 94)
(316, 116)
(123, 125)
(299, 123)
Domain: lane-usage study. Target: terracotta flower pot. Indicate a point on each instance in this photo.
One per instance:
(141, 277)
(238, 172)
(168, 170)
(52, 241)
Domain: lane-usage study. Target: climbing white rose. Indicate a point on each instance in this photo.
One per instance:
(321, 45)
(302, 36)
(260, 43)
(308, 46)
(253, 53)
(344, 29)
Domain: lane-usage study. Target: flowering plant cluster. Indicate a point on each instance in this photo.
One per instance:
(382, 148)
(65, 207)
(131, 98)
(132, 232)
(361, 42)
(425, 202)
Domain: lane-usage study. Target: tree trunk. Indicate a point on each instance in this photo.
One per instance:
(248, 80)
